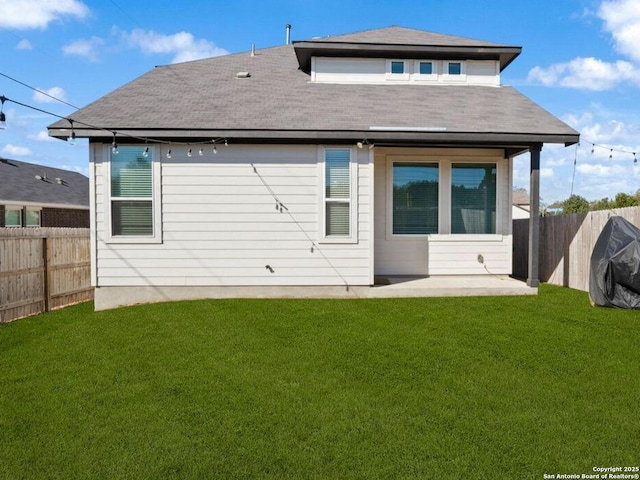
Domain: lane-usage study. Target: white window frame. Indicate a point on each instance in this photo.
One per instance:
(156, 197)
(353, 196)
(398, 76)
(13, 208)
(447, 77)
(421, 77)
(26, 214)
(444, 197)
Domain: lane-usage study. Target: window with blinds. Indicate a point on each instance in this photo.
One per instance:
(473, 198)
(132, 192)
(415, 198)
(337, 195)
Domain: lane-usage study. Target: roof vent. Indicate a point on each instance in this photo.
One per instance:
(243, 75)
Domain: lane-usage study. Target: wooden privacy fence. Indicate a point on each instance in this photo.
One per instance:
(42, 269)
(566, 244)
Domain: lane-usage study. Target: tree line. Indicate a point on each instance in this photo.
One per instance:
(578, 204)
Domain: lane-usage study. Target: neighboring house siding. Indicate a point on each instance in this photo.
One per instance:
(441, 254)
(63, 217)
(220, 225)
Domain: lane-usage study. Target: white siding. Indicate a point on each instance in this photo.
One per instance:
(441, 254)
(220, 225)
(359, 70)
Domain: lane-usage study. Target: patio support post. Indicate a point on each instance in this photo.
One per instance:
(534, 217)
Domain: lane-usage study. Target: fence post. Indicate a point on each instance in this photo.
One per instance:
(46, 279)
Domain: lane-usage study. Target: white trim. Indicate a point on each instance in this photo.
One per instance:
(372, 217)
(94, 151)
(353, 196)
(156, 199)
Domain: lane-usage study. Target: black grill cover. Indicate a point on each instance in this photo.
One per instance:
(615, 266)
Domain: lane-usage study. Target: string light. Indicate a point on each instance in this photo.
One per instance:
(114, 145)
(215, 150)
(189, 152)
(169, 153)
(200, 152)
(3, 118)
(72, 137)
(611, 153)
(145, 154)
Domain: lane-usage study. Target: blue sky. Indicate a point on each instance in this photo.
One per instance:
(580, 61)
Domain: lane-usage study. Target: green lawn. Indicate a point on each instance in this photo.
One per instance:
(464, 388)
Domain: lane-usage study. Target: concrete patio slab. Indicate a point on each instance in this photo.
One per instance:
(449, 286)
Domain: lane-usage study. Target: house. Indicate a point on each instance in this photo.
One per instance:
(521, 203)
(323, 163)
(34, 195)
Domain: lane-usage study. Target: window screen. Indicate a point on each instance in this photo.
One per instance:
(337, 192)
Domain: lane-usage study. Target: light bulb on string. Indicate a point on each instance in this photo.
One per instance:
(215, 150)
(169, 153)
(611, 153)
(200, 152)
(593, 148)
(145, 154)
(189, 152)
(3, 117)
(114, 145)
(72, 135)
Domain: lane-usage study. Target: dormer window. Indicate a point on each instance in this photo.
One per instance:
(455, 68)
(397, 67)
(455, 71)
(425, 68)
(398, 70)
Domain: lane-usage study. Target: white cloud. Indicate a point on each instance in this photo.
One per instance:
(183, 45)
(621, 20)
(546, 172)
(15, 151)
(30, 14)
(24, 45)
(85, 47)
(42, 136)
(57, 92)
(586, 74)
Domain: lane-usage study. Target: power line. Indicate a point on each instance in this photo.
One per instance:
(39, 91)
(114, 132)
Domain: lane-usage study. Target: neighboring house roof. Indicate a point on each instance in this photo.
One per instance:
(19, 185)
(521, 198)
(278, 102)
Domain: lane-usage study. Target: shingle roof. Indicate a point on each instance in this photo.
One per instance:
(396, 35)
(204, 98)
(19, 184)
